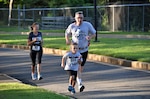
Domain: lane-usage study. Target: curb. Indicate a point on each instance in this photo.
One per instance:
(93, 57)
(7, 78)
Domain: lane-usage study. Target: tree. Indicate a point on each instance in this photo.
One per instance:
(36, 3)
(4, 3)
(121, 13)
(10, 9)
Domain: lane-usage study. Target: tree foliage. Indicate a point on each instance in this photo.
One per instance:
(47, 3)
(64, 3)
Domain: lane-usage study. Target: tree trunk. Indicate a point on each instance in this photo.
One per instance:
(10, 9)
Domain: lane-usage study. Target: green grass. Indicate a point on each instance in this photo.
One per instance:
(124, 33)
(23, 91)
(21, 29)
(52, 31)
(12, 29)
(18, 29)
(130, 49)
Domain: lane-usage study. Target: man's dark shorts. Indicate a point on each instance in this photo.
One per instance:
(84, 57)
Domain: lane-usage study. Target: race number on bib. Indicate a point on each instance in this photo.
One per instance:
(74, 61)
(36, 48)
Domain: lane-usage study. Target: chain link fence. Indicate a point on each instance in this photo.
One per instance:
(131, 17)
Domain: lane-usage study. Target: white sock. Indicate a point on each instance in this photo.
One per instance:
(70, 85)
(38, 71)
(78, 81)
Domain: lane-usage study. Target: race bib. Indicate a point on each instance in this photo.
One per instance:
(35, 48)
(74, 61)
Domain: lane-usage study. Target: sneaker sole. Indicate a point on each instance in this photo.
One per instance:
(40, 78)
(73, 91)
(82, 88)
(69, 90)
(33, 78)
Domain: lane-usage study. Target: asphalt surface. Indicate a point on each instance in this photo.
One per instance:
(102, 81)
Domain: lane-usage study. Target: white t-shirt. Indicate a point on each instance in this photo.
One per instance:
(72, 61)
(79, 34)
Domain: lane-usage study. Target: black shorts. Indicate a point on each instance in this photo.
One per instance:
(84, 57)
(34, 54)
(72, 73)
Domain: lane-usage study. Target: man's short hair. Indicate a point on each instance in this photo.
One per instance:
(79, 12)
(74, 43)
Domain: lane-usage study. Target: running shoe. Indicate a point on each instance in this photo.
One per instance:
(70, 88)
(33, 76)
(40, 77)
(73, 91)
(81, 88)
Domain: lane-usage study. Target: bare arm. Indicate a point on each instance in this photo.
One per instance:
(42, 42)
(63, 62)
(80, 60)
(68, 41)
(90, 37)
(29, 42)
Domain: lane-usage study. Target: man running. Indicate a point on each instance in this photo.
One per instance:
(81, 32)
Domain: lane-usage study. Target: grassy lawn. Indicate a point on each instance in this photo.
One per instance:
(130, 49)
(23, 91)
(124, 33)
(16, 29)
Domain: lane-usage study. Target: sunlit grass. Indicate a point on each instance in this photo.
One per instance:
(23, 91)
(124, 33)
(123, 48)
(26, 29)
(131, 49)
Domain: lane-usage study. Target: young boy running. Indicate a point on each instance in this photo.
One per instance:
(71, 62)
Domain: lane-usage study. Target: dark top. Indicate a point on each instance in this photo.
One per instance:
(36, 46)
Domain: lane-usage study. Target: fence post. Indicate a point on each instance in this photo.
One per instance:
(95, 16)
(143, 19)
(24, 16)
(113, 19)
(87, 14)
(18, 17)
(128, 20)
(33, 15)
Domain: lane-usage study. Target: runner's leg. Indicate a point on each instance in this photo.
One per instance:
(33, 59)
(39, 64)
(79, 80)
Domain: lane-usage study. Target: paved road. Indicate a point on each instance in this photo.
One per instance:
(102, 81)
